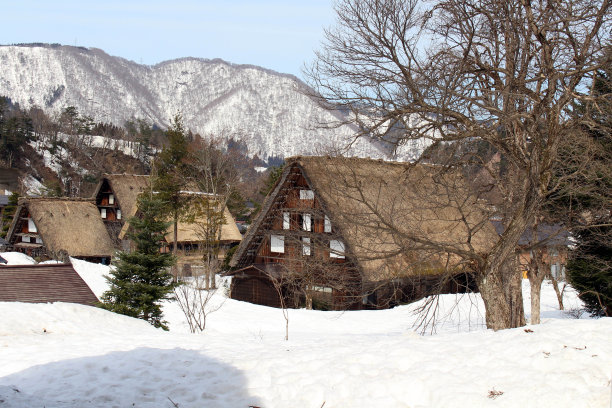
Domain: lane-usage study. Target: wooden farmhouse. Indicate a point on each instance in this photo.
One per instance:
(348, 233)
(60, 227)
(117, 199)
(44, 283)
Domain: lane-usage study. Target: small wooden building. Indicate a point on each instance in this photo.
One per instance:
(44, 283)
(349, 233)
(56, 228)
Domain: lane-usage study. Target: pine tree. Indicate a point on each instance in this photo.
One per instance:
(590, 269)
(171, 179)
(8, 213)
(141, 279)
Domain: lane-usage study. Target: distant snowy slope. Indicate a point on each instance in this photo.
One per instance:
(263, 108)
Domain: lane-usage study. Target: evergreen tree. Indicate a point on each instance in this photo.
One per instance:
(590, 269)
(15, 131)
(8, 213)
(274, 174)
(171, 178)
(140, 280)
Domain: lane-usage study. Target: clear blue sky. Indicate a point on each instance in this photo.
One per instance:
(276, 34)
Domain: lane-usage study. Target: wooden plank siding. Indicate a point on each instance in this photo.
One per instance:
(255, 286)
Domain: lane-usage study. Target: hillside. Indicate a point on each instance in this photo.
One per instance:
(266, 110)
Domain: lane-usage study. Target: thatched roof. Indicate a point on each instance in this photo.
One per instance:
(191, 232)
(126, 188)
(66, 224)
(44, 283)
(396, 219)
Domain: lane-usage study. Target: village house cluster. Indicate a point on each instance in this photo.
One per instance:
(334, 233)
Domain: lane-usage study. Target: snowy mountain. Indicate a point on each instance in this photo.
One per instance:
(263, 108)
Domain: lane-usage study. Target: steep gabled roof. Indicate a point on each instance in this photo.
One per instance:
(44, 283)
(126, 188)
(366, 199)
(190, 232)
(67, 224)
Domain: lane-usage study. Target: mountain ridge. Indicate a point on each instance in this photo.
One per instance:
(265, 109)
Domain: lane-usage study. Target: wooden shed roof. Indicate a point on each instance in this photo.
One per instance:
(67, 224)
(44, 283)
(389, 214)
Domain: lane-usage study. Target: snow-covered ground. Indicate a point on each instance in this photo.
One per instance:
(65, 355)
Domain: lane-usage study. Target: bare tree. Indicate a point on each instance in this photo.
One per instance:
(216, 179)
(196, 301)
(506, 74)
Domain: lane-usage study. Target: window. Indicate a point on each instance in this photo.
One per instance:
(277, 243)
(111, 199)
(306, 195)
(306, 246)
(336, 249)
(118, 214)
(307, 222)
(286, 221)
(38, 240)
(327, 227)
(103, 212)
(31, 226)
(25, 239)
(324, 289)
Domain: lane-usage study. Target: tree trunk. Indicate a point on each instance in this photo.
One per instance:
(535, 290)
(536, 273)
(501, 293)
(558, 292)
(497, 312)
(308, 298)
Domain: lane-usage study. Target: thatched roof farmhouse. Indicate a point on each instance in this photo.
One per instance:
(384, 225)
(58, 228)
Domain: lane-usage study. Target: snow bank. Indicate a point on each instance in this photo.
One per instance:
(63, 355)
(17, 258)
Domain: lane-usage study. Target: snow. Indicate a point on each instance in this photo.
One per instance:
(17, 258)
(32, 186)
(265, 110)
(66, 355)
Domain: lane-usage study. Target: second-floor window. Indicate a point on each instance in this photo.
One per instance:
(327, 227)
(31, 226)
(111, 199)
(306, 195)
(307, 222)
(277, 243)
(286, 221)
(336, 249)
(103, 212)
